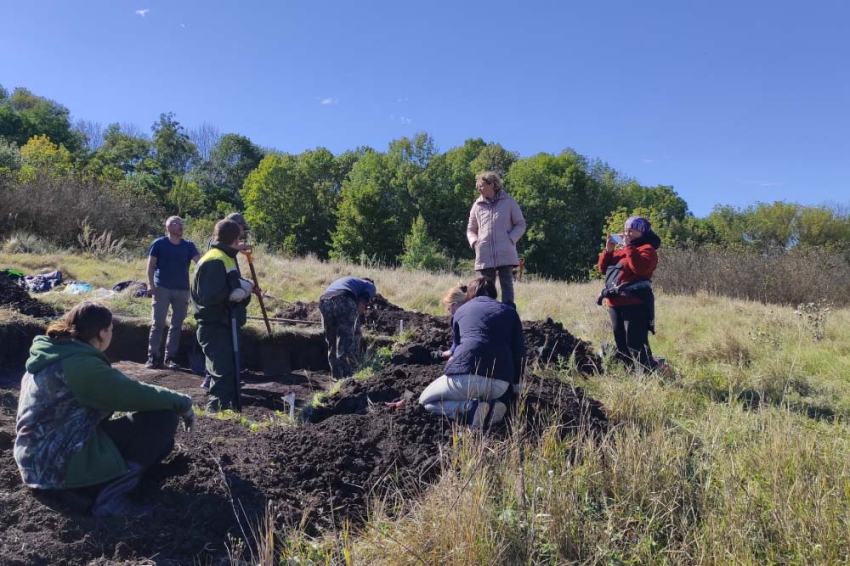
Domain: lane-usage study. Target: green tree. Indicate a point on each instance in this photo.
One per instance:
(375, 210)
(564, 207)
(185, 198)
(222, 178)
(173, 150)
(421, 251)
(120, 154)
(10, 156)
(290, 201)
(41, 117)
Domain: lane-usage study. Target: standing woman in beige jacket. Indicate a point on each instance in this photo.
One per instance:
(495, 225)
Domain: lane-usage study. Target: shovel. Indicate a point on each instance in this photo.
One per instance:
(259, 296)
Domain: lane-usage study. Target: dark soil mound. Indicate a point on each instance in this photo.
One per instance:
(221, 479)
(17, 298)
(546, 341)
(299, 311)
(545, 401)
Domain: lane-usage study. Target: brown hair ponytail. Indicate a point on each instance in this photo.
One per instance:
(83, 322)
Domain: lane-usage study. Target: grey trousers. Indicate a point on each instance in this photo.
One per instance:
(179, 303)
(506, 280)
(450, 395)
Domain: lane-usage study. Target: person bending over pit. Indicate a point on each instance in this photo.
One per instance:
(451, 301)
(66, 440)
(495, 226)
(628, 291)
(341, 305)
(219, 294)
(487, 360)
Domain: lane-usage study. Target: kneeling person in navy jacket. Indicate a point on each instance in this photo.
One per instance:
(487, 361)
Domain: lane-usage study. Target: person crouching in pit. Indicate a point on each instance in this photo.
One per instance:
(341, 305)
(220, 295)
(66, 442)
(486, 363)
(451, 301)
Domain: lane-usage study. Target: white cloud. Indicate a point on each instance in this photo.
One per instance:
(404, 120)
(182, 25)
(328, 101)
(143, 12)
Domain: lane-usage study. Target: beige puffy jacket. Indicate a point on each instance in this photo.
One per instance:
(493, 230)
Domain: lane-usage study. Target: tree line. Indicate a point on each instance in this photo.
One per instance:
(406, 205)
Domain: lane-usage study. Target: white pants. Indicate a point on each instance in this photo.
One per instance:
(451, 395)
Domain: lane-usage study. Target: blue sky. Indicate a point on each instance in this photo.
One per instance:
(729, 102)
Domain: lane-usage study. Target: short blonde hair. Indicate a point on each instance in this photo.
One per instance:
(490, 177)
(456, 294)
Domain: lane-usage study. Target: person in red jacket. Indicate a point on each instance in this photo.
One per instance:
(628, 290)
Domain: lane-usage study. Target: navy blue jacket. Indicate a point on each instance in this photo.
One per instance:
(360, 290)
(488, 341)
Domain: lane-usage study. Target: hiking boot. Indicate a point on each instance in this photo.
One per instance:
(497, 413)
(171, 364)
(479, 416)
(153, 363)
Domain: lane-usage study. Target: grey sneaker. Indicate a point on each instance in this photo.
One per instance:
(171, 364)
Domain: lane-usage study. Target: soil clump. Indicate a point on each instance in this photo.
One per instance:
(15, 297)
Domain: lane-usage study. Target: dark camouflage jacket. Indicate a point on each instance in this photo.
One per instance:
(69, 388)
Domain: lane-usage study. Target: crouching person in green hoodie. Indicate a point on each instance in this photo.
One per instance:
(65, 439)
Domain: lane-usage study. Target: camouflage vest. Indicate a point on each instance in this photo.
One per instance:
(51, 427)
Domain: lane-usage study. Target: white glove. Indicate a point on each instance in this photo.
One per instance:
(243, 292)
(188, 420)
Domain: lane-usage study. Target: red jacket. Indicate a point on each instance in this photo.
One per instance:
(638, 263)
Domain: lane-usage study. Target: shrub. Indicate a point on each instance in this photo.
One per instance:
(793, 277)
(24, 243)
(421, 251)
(54, 208)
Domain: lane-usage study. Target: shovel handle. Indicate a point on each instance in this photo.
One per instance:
(259, 297)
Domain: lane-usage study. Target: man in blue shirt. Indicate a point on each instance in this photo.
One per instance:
(169, 259)
(341, 305)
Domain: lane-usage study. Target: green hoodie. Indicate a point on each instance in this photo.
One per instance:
(68, 390)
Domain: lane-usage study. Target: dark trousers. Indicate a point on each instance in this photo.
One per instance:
(506, 281)
(340, 321)
(143, 437)
(216, 341)
(631, 335)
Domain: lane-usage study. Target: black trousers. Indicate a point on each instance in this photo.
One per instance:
(143, 437)
(631, 335)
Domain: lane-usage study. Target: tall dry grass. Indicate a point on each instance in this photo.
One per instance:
(739, 457)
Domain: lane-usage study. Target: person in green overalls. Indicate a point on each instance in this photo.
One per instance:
(220, 295)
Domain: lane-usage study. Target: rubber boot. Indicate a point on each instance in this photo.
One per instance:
(112, 501)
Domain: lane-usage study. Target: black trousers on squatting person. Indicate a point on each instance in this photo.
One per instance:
(631, 335)
(143, 438)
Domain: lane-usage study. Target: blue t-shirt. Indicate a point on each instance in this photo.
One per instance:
(172, 263)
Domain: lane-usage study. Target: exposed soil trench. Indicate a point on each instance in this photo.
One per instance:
(321, 471)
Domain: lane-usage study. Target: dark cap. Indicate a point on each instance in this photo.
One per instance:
(239, 219)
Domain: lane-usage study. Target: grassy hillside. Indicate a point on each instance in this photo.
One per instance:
(740, 457)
